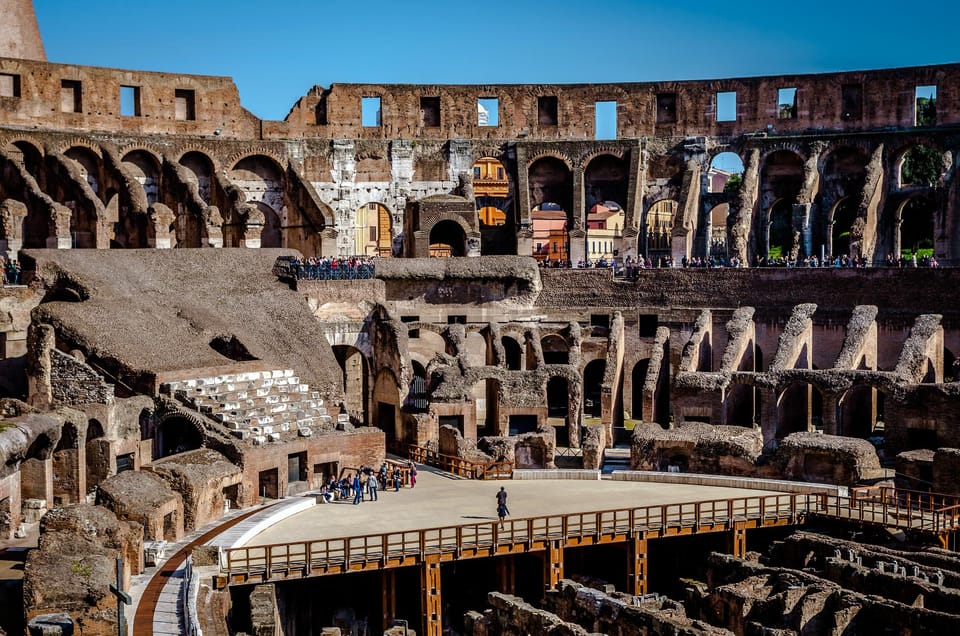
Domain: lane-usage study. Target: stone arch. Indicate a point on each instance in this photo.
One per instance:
(177, 433)
(550, 180)
(355, 380)
(919, 164)
(840, 221)
(201, 167)
(779, 229)
(417, 400)
(638, 377)
(719, 215)
(658, 222)
(513, 353)
(448, 237)
(145, 167)
(556, 349)
(91, 166)
(858, 411)
(271, 234)
(799, 409)
(722, 167)
(31, 154)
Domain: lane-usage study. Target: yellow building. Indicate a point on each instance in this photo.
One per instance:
(372, 235)
(604, 231)
(490, 182)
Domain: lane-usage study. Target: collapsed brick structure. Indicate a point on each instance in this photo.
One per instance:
(217, 373)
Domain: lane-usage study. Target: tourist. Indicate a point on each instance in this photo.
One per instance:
(357, 490)
(413, 475)
(502, 510)
(396, 479)
(372, 485)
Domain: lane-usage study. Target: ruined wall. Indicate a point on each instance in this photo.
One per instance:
(19, 31)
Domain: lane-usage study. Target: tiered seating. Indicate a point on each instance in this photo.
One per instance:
(261, 404)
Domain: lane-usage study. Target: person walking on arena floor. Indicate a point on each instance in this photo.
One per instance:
(502, 510)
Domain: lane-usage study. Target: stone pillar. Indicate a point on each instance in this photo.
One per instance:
(430, 598)
(688, 213)
(830, 424)
(744, 208)
(36, 479)
(12, 214)
(637, 564)
(768, 413)
(159, 229)
(59, 236)
(633, 209)
(253, 225)
(552, 564)
(803, 228)
(40, 341)
(578, 234)
(863, 235)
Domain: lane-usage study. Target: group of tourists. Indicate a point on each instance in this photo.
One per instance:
(351, 268)
(367, 482)
(11, 271)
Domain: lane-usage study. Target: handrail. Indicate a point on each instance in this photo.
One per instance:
(460, 466)
(451, 540)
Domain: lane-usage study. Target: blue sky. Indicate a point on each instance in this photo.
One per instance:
(276, 51)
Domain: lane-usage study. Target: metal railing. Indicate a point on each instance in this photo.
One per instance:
(482, 539)
(460, 466)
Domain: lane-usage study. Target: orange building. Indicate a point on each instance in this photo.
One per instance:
(490, 184)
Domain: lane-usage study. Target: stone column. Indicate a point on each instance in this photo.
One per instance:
(12, 214)
(863, 235)
(253, 225)
(159, 232)
(59, 236)
(213, 222)
(633, 209)
(829, 422)
(744, 208)
(578, 234)
(688, 213)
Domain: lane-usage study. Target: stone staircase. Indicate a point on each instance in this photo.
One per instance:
(259, 405)
(615, 459)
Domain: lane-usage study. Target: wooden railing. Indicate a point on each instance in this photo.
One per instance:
(460, 466)
(930, 513)
(409, 547)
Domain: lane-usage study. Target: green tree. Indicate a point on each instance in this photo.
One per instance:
(733, 183)
(927, 111)
(922, 165)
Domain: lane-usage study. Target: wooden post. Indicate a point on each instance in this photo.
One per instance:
(506, 575)
(737, 540)
(432, 602)
(637, 564)
(388, 583)
(553, 565)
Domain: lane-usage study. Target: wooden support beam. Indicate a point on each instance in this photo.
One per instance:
(506, 574)
(553, 564)
(637, 564)
(737, 540)
(431, 600)
(388, 583)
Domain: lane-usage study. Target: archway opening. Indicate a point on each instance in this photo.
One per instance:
(97, 453)
(491, 191)
(921, 166)
(271, 234)
(354, 378)
(859, 410)
(637, 379)
(659, 228)
(718, 230)
(555, 349)
(799, 409)
(725, 173)
(513, 355)
(66, 467)
(486, 400)
(551, 240)
(592, 387)
(917, 228)
(146, 170)
(604, 232)
(780, 239)
(447, 238)
(606, 178)
(373, 233)
(416, 400)
(178, 435)
(558, 407)
(844, 214)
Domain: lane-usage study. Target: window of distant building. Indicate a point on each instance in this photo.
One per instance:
(727, 106)
(787, 103)
(9, 85)
(851, 102)
(488, 111)
(666, 108)
(71, 98)
(370, 114)
(129, 101)
(547, 110)
(430, 112)
(184, 105)
(925, 113)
